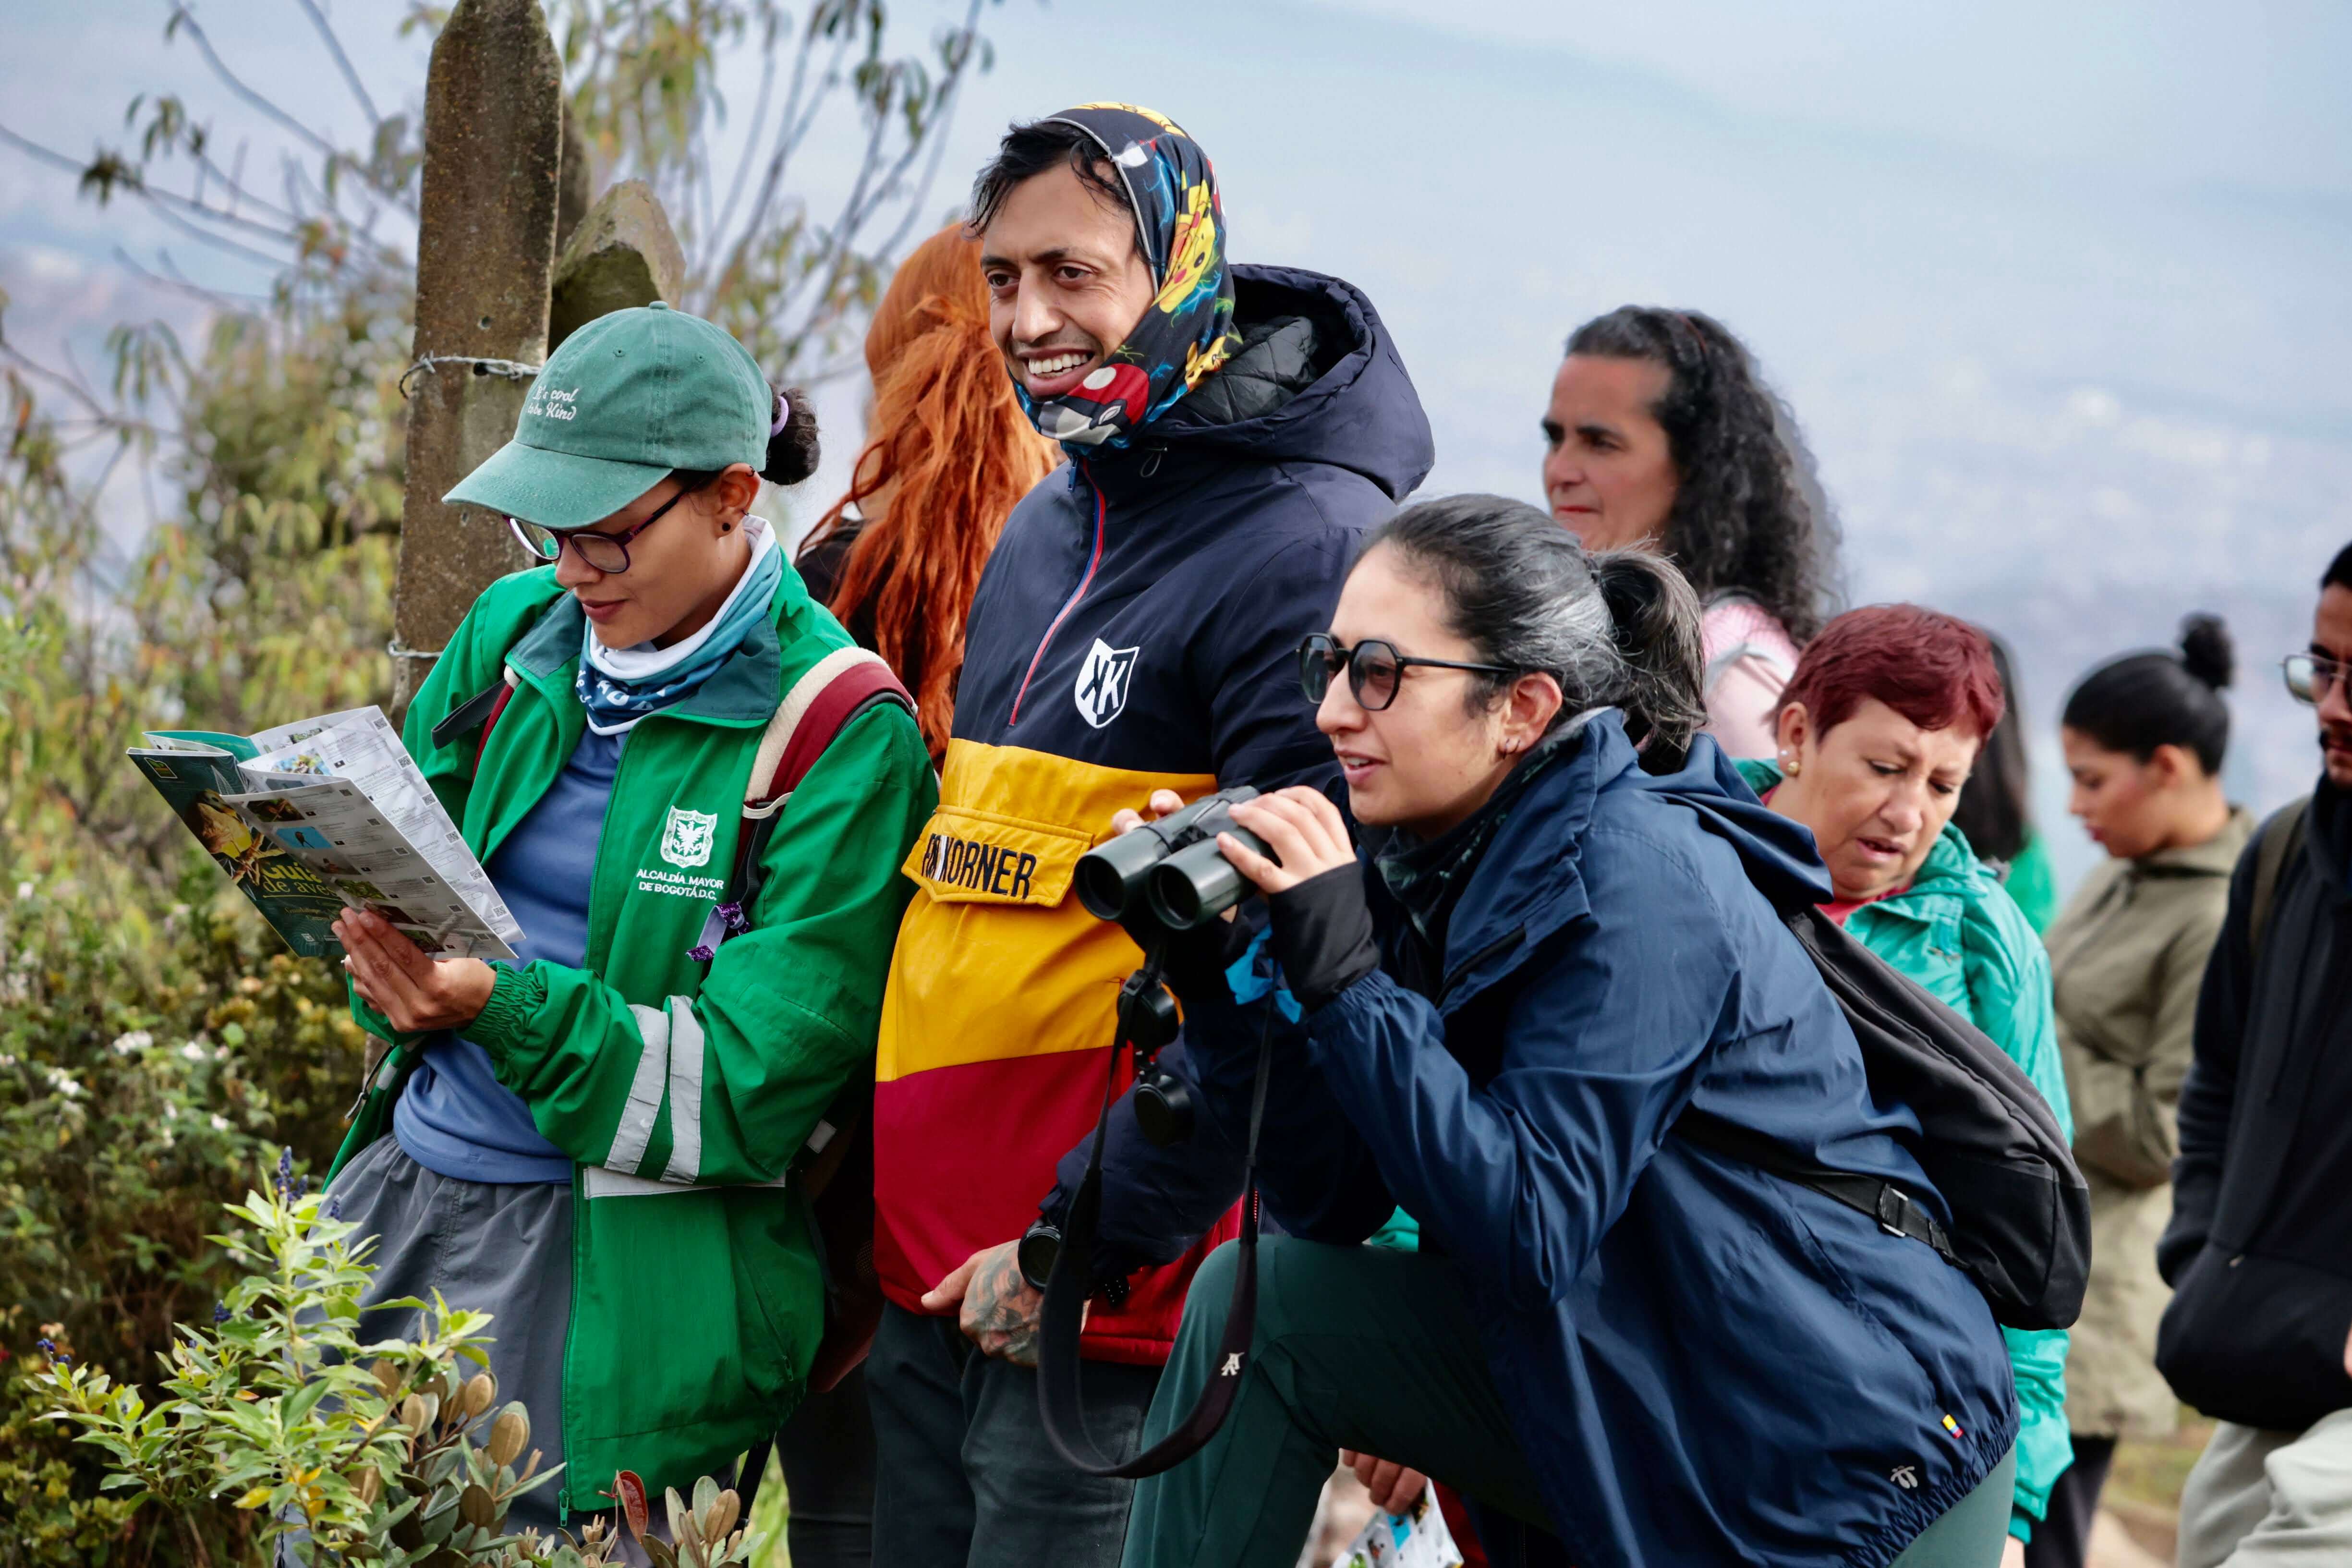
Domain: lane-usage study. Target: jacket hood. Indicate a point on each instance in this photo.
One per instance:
(1951, 869)
(1361, 411)
(1777, 852)
(1516, 889)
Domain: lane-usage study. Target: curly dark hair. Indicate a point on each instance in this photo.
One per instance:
(1748, 515)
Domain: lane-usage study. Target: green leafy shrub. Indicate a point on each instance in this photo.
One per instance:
(340, 1450)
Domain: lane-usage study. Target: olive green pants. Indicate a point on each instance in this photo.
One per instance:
(1376, 1350)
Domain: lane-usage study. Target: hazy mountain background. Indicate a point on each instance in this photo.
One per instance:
(2058, 293)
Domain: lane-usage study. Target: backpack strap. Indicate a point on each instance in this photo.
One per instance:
(839, 688)
(1897, 1211)
(821, 704)
(2281, 836)
(482, 708)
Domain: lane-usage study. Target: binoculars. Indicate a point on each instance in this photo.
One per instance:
(1168, 873)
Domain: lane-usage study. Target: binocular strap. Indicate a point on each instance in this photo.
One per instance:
(1059, 1405)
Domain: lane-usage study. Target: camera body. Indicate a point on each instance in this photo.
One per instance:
(1167, 876)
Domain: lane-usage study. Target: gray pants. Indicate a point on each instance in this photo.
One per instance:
(501, 1250)
(964, 1477)
(2264, 1500)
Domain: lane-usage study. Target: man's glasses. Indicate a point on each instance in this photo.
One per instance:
(2309, 675)
(606, 552)
(1375, 670)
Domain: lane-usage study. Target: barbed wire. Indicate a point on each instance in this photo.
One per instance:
(513, 369)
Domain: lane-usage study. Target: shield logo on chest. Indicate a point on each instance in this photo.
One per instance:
(687, 836)
(1103, 680)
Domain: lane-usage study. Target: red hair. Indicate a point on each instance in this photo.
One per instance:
(1935, 670)
(950, 455)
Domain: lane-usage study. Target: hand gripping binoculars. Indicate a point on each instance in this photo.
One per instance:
(1168, 874)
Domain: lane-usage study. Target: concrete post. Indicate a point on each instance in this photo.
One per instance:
(621, 255)
(493, 157)
(575, 181)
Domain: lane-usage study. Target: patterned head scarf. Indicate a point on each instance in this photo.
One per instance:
(1188, 330)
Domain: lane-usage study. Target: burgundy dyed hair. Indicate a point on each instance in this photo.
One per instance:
(1933, 669)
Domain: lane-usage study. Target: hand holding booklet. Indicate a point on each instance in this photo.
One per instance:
(329, 814)
(1417, 1538)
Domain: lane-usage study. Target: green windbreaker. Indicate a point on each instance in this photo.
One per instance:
(683, 1096)
(1957, 933)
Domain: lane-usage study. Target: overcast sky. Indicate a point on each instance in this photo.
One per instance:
(2056, 290)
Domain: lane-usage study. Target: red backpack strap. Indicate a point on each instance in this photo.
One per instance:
(821, 704)
(482, 708)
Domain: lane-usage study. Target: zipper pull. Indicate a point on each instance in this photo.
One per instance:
(1151, 461)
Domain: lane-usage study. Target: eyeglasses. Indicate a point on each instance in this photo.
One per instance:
(606, 552)
(2310, 675)
(1375, 670)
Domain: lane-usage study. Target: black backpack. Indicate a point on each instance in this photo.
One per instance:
(1989, 1141)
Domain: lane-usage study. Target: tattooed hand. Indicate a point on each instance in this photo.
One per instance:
(1000, 1309)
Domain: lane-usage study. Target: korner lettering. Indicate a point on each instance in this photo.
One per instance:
(992, 868)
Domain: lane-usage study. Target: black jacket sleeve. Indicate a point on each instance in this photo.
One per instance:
(2209, 1093)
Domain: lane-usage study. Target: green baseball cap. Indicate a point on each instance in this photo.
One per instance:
(625, 400)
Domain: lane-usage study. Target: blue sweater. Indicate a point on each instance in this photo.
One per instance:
(455, 1117)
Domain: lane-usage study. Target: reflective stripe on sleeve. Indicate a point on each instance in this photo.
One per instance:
(685, 1092)
(636, 1129)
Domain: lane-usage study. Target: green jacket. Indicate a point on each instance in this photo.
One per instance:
(2031, 883)
(1958, 935)
(683, 1096)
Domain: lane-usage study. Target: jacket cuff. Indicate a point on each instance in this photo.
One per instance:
(1323, 935)
(499, 1025)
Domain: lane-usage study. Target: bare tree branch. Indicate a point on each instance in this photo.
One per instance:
(43, 154)
(714, 241)
(171, 278)
(942, 117)
(342, 60)
(222, 242)
(184, 18)
(153, 195)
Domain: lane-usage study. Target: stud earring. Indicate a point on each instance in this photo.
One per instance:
(725, 528)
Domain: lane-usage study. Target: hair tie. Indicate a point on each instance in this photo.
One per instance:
(783, 412)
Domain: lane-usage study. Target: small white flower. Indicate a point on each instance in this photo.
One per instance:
(220, 1123)
(220, 1053)
(131, 1044)
(24, 889)
(192, 1051)
(63, 1084)
(171, 1112)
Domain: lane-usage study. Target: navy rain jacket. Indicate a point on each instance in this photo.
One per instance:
(1703, 1363)
(1137, 626)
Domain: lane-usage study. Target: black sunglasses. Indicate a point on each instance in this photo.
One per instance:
(2310, 675)
(1375, 670)
(607, 553)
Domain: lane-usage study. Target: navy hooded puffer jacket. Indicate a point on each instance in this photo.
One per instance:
(1137, 627)
(1704, 1363)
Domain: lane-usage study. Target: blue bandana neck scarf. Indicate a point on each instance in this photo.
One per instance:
(619, 686)
(1187, 330)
